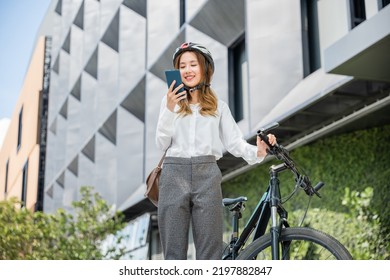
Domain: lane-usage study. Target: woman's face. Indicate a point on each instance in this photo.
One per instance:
(190, 69)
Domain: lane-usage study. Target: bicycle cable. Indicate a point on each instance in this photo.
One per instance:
(305, 213)
(294, 191)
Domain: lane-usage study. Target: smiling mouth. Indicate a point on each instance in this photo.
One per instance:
(189, 78)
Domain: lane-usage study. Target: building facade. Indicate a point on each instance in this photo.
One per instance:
(22, 156)
(315, 67)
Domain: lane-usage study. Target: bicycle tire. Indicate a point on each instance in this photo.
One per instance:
(305, 243)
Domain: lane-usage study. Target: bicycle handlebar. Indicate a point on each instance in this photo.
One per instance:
(282, 154)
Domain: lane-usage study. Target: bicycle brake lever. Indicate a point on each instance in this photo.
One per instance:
(309, 190)
(317, 187)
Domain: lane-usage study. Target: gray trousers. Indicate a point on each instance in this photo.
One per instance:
(190, 191)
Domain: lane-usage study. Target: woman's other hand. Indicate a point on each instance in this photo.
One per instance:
(262, 146)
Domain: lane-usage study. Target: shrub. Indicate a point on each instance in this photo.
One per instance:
(40, 236)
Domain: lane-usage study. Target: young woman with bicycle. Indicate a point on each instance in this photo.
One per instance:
(194, 126)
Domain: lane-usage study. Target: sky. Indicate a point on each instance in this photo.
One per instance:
(19, 23)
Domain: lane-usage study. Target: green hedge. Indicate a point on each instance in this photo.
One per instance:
(354, 161)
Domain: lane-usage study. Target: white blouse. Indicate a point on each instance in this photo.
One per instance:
(197, 135)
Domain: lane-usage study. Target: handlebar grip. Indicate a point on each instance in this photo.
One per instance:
(319, 186)
(269, 127)
(316, 188)
(264, 137)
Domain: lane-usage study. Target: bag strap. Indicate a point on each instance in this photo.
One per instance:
(162, 158)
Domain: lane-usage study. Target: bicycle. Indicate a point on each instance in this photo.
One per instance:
(282, 241)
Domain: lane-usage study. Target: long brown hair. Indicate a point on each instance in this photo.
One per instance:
(207, 98)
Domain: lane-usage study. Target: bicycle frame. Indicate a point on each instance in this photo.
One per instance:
(268, 208)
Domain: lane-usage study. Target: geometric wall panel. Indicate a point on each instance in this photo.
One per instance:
(61, 180)
(53, 126)
(135, 101)
(111, 36)
(49, 192)
(58, 9)
(66, 45)
(56, 66)
(92, 64)
(213, 15)
(108, 129)
(89, 149)
(138, 6)
(76, 91)
(64, 109)
(74, 166)
(79, 19)
(165, 60)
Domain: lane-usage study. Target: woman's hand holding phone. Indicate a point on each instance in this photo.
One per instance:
(174, 96)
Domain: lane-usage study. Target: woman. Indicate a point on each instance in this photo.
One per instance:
(195, 127)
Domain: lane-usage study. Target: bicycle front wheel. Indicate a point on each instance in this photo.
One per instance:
(297, 244)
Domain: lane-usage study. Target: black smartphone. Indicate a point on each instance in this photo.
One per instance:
(174, 75)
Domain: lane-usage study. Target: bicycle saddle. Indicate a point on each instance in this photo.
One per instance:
(230, 201)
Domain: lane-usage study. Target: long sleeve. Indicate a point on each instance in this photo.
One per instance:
(232, 138)
(165, 126)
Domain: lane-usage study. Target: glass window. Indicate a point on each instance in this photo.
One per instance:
(358, 12)
(238, 78)
(6, 177)
(383, 3)
(134, 239)
(310, 37)
(182, 12)
(24, 184)
(20, 128)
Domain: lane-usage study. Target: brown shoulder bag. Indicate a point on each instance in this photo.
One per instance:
(152, 182)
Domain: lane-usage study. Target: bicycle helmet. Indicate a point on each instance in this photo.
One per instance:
(197, 48)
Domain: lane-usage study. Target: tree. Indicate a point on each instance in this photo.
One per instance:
(62, 235)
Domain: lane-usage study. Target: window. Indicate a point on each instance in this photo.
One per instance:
(6, 177)
(383, 3)
(182, 12)
(134, 236)
(310, 37)
(20, 128)
(358, 12)
(24, 185)
(238, 75)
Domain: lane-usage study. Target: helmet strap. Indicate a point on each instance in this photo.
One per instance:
(191, 90)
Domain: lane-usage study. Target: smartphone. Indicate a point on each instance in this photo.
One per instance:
(174, 75)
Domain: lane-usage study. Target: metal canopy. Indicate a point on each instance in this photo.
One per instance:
(363, 53)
